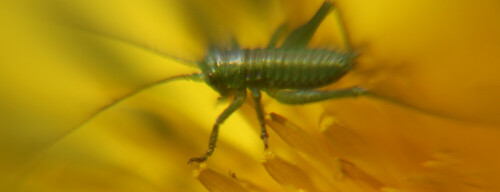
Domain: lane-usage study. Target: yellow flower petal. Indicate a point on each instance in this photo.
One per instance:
(360, 177)
(217, 182)
(343, 142)
(440, 56)
(293, 135)
(291, 177)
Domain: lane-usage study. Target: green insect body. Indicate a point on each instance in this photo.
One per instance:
(289, 73)
(274, 68)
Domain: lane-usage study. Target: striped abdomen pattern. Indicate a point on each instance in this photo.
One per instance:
(277, 68)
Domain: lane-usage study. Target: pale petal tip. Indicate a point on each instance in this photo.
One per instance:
(268, 155)
(215, 181)
(327, 121)
(200, 167)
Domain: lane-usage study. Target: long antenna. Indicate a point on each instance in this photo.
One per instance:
(194, 77)
(134, 44)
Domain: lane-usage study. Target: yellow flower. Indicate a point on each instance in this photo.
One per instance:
(434, 128)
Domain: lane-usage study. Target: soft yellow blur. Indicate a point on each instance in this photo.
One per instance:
(435, 62)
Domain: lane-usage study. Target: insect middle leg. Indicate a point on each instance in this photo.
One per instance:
(236, 104)
(295, 97)
(256, 94)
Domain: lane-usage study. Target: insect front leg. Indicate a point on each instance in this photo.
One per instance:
(236, 104)
(295, 97)
(256, 94)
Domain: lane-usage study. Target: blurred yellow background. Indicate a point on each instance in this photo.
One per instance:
(437, 62)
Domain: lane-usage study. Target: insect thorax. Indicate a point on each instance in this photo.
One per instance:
(274, 68)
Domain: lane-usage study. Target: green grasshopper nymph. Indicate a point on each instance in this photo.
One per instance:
(289, 73)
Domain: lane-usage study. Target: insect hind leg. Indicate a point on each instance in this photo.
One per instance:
(297, 97)
(300, 38)
(236, 104)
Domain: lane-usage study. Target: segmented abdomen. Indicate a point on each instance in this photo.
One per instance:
(277, 68)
